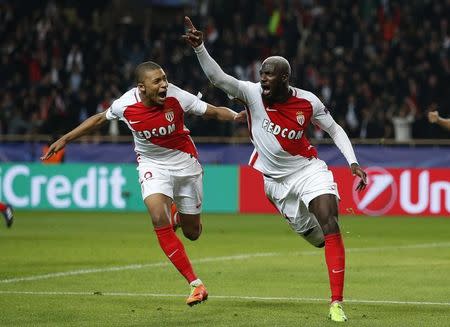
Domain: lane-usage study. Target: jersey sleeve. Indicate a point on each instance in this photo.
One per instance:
(248, 92)
(189, 102)
(321, 115)
(117, 108)
(323, 119)
(115, 111)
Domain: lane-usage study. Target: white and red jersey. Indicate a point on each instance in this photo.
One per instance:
(278, 131)
(159, 133)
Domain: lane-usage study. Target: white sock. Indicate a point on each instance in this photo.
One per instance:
(196, 282)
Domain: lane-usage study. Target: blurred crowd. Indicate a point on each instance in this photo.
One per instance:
(379, 66)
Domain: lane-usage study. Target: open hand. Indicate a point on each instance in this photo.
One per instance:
(358, 171)
(53, 148)
(192, 36)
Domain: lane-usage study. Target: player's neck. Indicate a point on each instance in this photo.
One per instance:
(283, 96)
(148, 102)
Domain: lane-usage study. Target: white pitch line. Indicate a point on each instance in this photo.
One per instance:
(225, 297)
(214, 259)
(132, 267)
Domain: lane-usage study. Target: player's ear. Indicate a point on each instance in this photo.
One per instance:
(141, 87)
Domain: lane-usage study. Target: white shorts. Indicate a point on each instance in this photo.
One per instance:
(291, 195)
(183, 186)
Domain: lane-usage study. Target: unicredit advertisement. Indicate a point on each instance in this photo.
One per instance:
(390, 191)
(106, 187)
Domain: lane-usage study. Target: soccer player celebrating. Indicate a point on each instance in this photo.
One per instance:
(167, 158)
(295, 180)
(8, 213)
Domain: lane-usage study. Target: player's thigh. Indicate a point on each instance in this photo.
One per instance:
(316, 181)
(157, 193)
(285, 197)
(325, 208)
(158, 206)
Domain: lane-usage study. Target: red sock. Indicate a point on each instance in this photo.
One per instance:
(2, 206)
(174, 249)
(335, 258)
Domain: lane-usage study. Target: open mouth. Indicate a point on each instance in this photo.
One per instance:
(162, 95)
(265, 89)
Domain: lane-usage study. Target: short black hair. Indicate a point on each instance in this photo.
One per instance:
(142, 68)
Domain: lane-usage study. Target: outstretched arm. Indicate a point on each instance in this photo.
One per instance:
(89, 125)
(223, 113)
(434, 118)
(213, 71)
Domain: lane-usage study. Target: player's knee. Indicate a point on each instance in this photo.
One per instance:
(330, 225)
(192, 234)
(315, 237)
(160, 219)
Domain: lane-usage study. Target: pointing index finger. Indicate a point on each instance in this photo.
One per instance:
(188, 23)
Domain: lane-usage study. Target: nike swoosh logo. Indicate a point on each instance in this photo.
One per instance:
(269, 109)
(334, 271)
(134, 122)
(170, 255)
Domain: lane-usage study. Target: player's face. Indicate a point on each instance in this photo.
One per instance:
(271, 81)
(154, 86)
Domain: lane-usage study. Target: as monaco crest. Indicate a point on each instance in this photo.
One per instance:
(170, 116)
(300, 118)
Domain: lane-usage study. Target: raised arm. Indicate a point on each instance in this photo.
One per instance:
(89, 125)
(434, 118)
(213, 71)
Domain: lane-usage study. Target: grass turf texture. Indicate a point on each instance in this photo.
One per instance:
(257, 271)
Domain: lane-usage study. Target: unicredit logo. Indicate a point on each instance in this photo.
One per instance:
(380, 194)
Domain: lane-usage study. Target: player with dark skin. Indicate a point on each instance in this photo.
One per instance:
(275, 74)
(302, 194)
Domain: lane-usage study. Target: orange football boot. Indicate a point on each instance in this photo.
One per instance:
(198, 295)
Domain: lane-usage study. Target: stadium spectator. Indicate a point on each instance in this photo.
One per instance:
(295, 180)
(403, 121)
(336, 49)
(434, 118)
(169, 171)
(8, 213)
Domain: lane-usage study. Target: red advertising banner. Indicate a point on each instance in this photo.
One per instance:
(391, 191)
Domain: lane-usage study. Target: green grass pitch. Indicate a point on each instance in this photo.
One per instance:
(106, 269)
